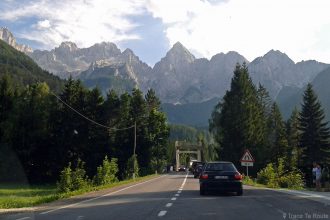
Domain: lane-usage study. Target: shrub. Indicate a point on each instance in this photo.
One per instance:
(132, 167)
(106, 173)
(248, 181)
(79, 178)
(276, 176)
(65, 182)
(292, 180)
(267, 176)
(157, 165)
(73, 179)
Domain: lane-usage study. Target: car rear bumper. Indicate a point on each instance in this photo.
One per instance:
(232, 186)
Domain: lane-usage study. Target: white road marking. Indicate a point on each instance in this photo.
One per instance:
(269, 205)
(180, 191)
(80, 217)
(173, 199)
(88, 200)
(169, 204)
(162, 213)
(177, 195)
(23, 218)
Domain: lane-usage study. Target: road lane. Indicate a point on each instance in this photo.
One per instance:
(176, 196)
(254, 204)
(143, 201)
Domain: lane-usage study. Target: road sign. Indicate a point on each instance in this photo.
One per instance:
(247, 164)
(247, 157)
(247, 161)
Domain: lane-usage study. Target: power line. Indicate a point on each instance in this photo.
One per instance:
(90, 120)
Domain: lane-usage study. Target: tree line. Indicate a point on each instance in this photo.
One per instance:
(45, 132)
(246, 118)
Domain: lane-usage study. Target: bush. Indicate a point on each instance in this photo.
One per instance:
(79, 178)
(276, 176)
(292, 180)
(248, 181)
(65, 182)
(267, 176)
(157, 165)
(132, 167)
(73, 179)
(106, 173)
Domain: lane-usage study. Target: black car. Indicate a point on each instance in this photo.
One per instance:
(182, 169)
(194, 167)
(198, 170)
(220, 176)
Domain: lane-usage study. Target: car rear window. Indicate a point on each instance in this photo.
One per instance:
(220, 167)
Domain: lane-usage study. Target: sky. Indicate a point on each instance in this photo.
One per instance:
(299, 28)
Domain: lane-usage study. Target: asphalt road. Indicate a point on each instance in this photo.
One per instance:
(176, 196)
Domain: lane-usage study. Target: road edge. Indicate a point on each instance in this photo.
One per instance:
(67, 201)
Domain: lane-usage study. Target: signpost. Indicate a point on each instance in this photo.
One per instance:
(247, 160)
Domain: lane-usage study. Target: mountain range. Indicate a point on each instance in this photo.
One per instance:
(181, 80)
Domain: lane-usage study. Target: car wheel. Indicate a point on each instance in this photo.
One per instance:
(239, 193)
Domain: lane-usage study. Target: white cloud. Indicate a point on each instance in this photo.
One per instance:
(43, 24)
(299, 28)
(82, 21)
(250, 27)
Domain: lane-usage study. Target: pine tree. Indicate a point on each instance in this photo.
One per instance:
(138, 112)
(277, 134)
(293, 137)
(6, 101)
(152, 100)
(237, 121)
(315, 133)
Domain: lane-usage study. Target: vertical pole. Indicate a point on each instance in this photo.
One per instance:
(247, 170)
(134, 156)
(134, 137)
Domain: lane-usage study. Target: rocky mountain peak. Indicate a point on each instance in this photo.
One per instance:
(128, 52)
(179, 52)
(9, 38)
(276, 55)
(68, 45)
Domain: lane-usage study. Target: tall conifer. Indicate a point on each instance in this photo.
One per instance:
(315, 133)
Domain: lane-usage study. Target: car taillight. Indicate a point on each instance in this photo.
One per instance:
(238, 176)
(204, 176)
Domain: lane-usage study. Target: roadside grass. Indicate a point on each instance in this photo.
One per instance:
(19, 196)
(252, 182)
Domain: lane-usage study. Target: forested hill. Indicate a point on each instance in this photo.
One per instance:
(23, 70)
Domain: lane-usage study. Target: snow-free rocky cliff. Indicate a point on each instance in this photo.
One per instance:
(179, 77)
(9, 38)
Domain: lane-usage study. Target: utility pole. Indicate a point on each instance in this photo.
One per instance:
(134, 156)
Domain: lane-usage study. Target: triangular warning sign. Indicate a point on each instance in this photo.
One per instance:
(247, 157)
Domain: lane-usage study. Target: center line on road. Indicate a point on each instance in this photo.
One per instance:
(180, 191)
(184, 182)
(162, 213)
(173, 199)
(108, 194)
(169, 204)
(177, 195)
(23, 218)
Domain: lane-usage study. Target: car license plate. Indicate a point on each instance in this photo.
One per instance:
(221, 177)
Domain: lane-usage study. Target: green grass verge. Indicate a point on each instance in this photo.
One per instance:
(19, 196)
(253, 182)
